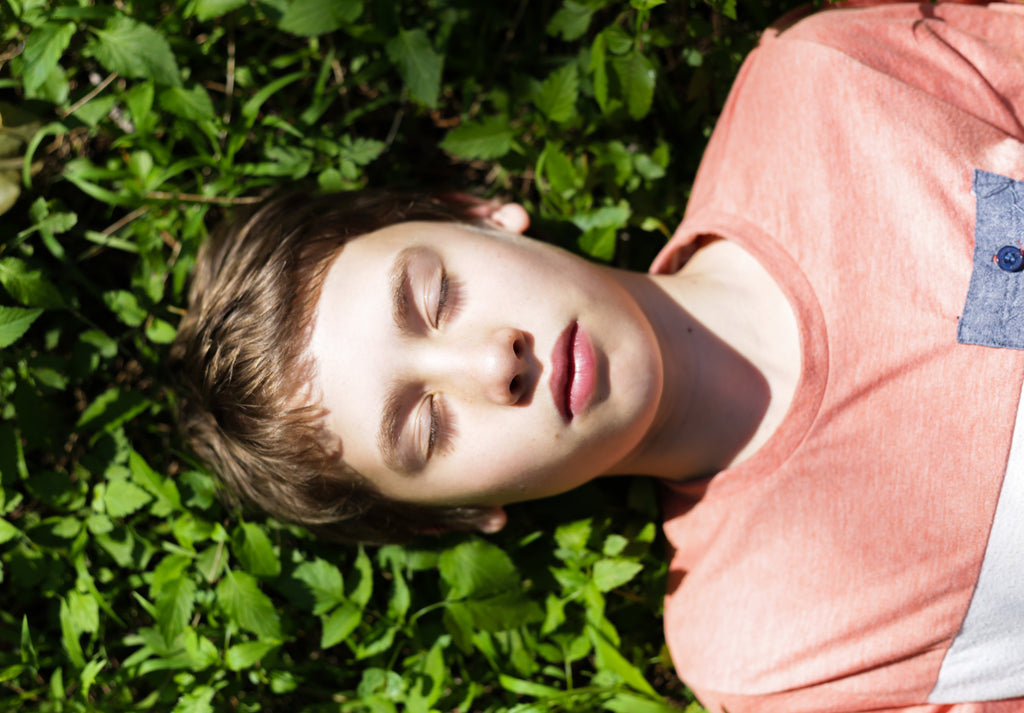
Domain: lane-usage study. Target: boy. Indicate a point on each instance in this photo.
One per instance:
(828, 353)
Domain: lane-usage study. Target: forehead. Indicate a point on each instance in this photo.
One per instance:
(352, 311)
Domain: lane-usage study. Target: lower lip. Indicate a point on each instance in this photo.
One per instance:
(573, 371)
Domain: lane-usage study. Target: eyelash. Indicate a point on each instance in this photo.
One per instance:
(441, 426)
(442, 298)
(441, 430)
(449, 299)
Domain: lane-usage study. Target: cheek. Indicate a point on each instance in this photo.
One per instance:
(512, 465)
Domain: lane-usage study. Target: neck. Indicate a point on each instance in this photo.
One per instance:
(731, 359)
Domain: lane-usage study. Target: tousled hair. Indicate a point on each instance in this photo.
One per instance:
(245, 376)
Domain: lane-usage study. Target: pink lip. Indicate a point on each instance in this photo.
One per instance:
(572, 371)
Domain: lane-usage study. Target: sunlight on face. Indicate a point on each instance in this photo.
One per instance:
(464, 368)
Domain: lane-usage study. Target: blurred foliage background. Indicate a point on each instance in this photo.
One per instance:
(129, 129)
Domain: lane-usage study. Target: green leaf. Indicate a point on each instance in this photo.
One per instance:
(140, 103)
(500, 612)
(112, 408)
(242, 656)
(43, 49)
(573, 536)
(632, 703)
(429, 671)
(324, 582)
(66, 12)
(418, 64)
(27, 286)
(310, 18)
(79, 614)
(251, 108)
(57, 690)
(28, 649)
(84, 612)
(209, 9)
(477, 568)
(571, 21)
(599, 242)
(69, 636)
(8, 531)
(9, 673)
(254, 551)
(14, 322)
(282, 682)
(487, 139)
(200, 650)
(637, 76)
(360, 151)
(619, 41)
(170, 569)
(175, 602)
(160, 332)
(93, 236)
(160, 487)
(612, 573)
(599, 70)
(401, 598)
(558, 93)
(89, 674)
(342, 622)
(556, 167)
(726, 7)
(123, 497)
(364, 588)
(10, 189)
(527, 688)
(615, 216)
(483, 590)
(134, 49)
(126, 306)
(609, 657)
(648, 167)
(193, 104)
(197, 700)
(45, 221)
(240, 598)
(614, 545)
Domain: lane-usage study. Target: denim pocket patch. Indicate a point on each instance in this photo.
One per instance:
(993, 314)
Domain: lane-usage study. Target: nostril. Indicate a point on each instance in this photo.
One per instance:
(517, 348)
(513, 387)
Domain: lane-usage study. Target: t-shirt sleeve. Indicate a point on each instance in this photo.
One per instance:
(960, 53)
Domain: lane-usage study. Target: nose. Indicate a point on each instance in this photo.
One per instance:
(495, 367)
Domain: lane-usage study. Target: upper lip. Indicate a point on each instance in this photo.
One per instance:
(561, 366)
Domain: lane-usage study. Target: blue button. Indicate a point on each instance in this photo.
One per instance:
(1010, 258)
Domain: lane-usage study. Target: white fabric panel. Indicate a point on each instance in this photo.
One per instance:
(986, 660)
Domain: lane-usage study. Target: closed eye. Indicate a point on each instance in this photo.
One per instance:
(442, 431)
(449, 299)
(442, 299)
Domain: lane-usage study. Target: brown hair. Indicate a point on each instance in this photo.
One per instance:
(245, 376)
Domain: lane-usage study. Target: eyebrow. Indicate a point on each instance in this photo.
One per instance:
(399, 281)
(390, 429)
(390, 422)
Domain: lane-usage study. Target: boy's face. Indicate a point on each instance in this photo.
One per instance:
(463, 368)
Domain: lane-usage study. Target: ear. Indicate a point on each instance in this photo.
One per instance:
(491, 520)
(510, 216)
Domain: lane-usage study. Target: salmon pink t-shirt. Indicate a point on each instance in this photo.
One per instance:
(871, 555)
